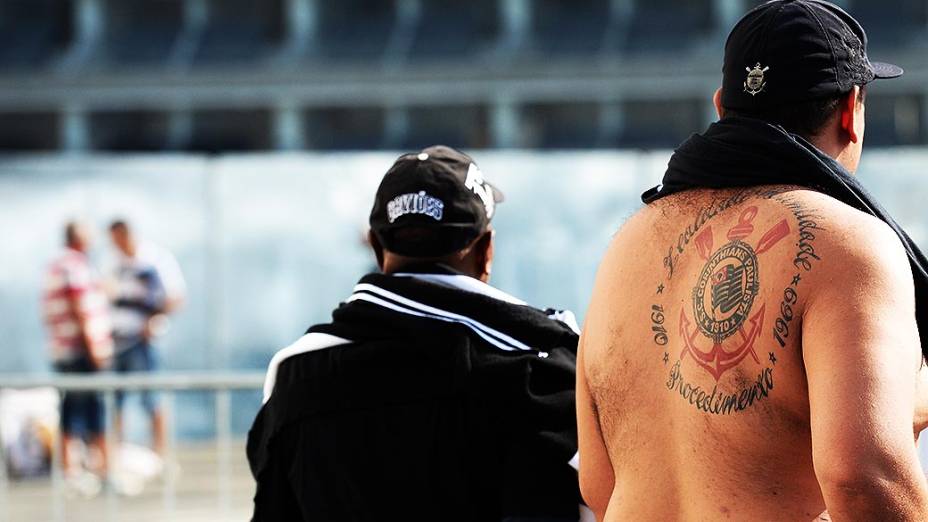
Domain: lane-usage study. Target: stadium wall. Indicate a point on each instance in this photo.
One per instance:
(270, 243)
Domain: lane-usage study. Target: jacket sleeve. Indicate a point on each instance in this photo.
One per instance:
(540, 482)
(274, 496)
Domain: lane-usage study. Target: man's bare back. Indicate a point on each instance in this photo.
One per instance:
(729, 343)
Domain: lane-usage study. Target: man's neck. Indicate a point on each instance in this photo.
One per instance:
(393, 265)
(424, 267)
(835, 150)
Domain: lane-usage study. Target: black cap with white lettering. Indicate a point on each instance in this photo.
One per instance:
(432, 203)
(796, 50)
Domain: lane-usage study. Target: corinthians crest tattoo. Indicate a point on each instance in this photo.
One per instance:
(755, 83)
(724, 296)
(720, 321)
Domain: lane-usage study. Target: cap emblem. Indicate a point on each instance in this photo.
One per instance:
(420, 203)
(476, 183)
(755, 83)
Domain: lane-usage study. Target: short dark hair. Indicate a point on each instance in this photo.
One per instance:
(448, 240)
(119, 224)
(70, 232)
(803, 118)
(432, 236)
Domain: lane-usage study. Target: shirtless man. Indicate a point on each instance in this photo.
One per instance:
(751, 351)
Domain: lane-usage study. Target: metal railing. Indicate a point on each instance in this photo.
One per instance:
(222, 384)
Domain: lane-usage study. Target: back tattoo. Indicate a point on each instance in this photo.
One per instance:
(717, 328)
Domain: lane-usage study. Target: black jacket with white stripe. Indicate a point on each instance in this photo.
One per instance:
(430, 396)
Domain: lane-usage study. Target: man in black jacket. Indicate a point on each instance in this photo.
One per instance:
(431, 395)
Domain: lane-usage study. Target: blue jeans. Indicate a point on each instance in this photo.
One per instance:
(81, 411)
(137, 358)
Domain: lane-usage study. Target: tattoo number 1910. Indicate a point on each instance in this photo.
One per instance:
(657, 326)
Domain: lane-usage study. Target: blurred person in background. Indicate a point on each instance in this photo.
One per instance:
(146, 286)
(758, 356)
(78, 323)
(432, 395)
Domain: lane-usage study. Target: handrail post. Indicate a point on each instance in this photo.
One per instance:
(112, 451)
(4, 480)
(57, 464)
(169, 458)
(223, 415)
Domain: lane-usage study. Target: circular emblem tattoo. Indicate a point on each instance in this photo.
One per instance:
(726, 290)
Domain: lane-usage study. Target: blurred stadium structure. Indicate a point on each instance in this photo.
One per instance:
(294, 95)
(240, 75)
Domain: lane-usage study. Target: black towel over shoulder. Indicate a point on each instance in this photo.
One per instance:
(739, 152)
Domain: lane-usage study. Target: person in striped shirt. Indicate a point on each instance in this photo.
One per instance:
(77, 319)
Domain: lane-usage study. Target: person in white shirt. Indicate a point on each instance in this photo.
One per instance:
(147, 285)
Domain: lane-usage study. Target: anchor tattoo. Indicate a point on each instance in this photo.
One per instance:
(724, 296)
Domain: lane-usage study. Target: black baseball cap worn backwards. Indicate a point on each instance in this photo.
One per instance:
(440, 190)
(793, 51)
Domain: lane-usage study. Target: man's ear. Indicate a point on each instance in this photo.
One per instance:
(483, 258)
(717, 101)
(376, 247)
(850, 114)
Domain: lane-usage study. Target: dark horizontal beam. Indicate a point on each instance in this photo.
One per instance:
(596, 81)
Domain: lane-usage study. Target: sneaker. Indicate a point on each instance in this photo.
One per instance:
(83, 484)
(125, 485)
